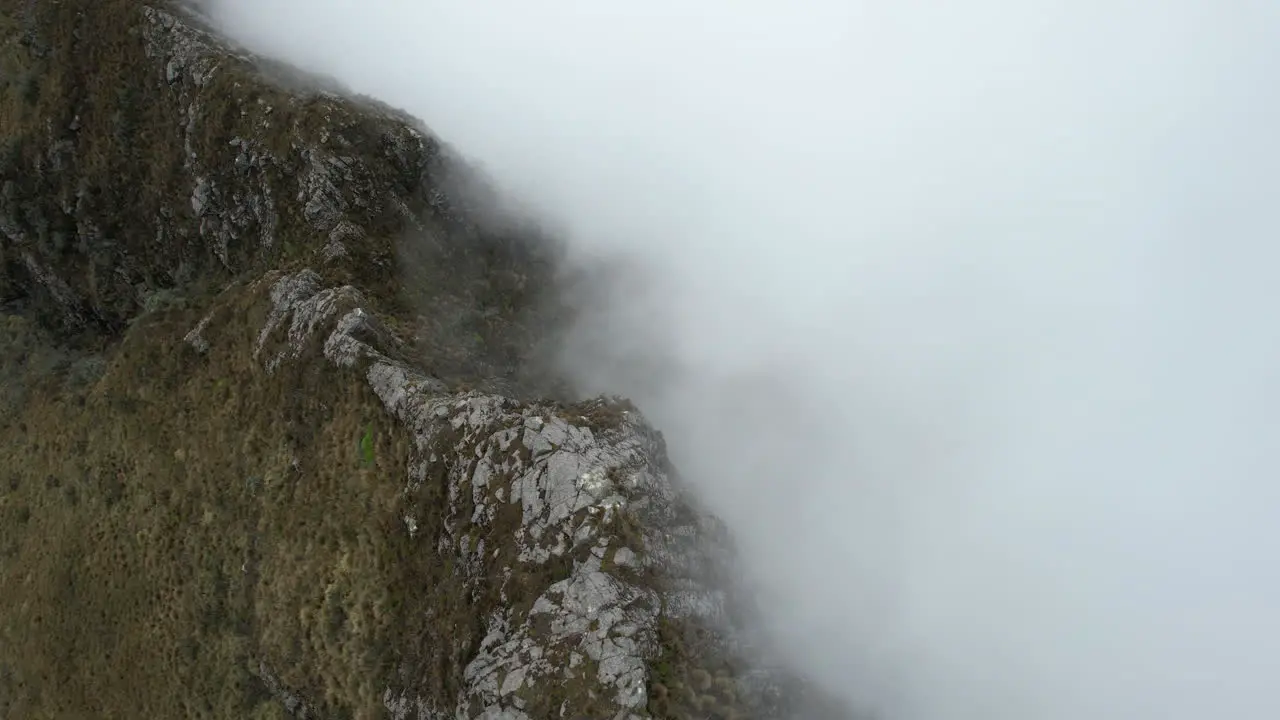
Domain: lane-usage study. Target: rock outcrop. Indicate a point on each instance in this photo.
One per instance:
(251, 474)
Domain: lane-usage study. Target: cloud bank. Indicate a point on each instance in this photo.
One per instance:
(965, 314)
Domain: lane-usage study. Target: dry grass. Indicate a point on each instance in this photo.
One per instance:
(89, 119)
(189, 516)
(172, 520)
(690, 682)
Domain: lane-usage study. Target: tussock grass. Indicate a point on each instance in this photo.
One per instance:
(172, 522)
(189, 516)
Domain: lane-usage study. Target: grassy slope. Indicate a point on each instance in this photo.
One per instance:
(170, 519)
(187, 515)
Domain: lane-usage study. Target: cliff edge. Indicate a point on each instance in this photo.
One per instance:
(270, 441)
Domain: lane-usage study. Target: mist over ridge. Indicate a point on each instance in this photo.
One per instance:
(963, 317)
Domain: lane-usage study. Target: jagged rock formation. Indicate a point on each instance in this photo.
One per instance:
(244, 473)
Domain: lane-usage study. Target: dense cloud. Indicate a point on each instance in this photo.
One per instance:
(963, 314)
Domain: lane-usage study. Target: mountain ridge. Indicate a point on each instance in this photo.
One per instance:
(272, 428)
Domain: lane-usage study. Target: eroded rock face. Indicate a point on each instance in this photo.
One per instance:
(529, 487)
(252, 173)
(573, 576)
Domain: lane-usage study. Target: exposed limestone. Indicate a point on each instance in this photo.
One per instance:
(571, 576)
(533, 489)
(587, 638)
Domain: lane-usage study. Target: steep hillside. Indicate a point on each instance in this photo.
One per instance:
(271, 441)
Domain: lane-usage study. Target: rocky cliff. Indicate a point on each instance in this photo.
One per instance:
(271, 441)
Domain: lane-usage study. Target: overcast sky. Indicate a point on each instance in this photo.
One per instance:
(965, 314)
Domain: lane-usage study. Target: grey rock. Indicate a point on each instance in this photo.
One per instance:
(574, 535)
(196, 338)
(238, 188)
(589, 637)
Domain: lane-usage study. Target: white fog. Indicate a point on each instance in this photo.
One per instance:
(967, 314)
